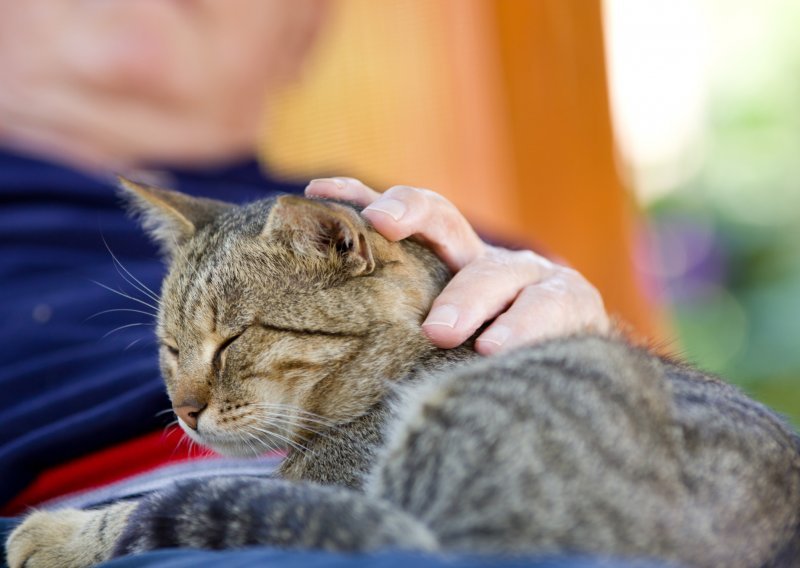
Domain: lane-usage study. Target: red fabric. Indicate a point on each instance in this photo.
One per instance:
(103, 467)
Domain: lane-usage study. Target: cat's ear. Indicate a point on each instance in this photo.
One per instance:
(321, 228)
(169, 217)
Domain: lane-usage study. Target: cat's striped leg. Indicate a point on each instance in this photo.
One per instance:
(69, 538)
(233, 512)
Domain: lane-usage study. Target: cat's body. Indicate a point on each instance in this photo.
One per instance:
(303, 331)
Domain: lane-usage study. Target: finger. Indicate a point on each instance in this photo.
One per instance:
(344, 188)
(562, 304)
(403, 211)
(479, 292)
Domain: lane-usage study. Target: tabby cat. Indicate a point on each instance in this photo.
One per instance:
(291, 323)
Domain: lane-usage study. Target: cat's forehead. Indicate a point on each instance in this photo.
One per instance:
(232, 279)
(232, 268)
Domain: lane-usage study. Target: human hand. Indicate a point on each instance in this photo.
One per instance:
(112, 85)
(529, 297)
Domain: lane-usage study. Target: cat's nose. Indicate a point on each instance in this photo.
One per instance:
(189, 411)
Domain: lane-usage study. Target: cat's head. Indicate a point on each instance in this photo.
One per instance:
(280, 317)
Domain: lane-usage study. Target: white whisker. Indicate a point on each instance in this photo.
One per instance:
(298, 416)
(141, 286)
(298, 422)
(268, 443)
(151, 314)
(264, 444)
(124, 295)
(293, 444)
(132, 343)
(249, 444)
(319, 419)
(169, 430)
(120, 328)
(192, 445)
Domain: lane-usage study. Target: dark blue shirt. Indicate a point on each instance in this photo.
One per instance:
(75, 377)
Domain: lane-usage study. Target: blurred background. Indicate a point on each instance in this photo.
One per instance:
(706, 105)
(653, 144)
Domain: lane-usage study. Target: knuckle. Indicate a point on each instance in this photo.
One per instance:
(551, 297)
(527, 257)
(583, 289)
(490, 263)
(570, 307)
(420, 196)
(571, 276)
(528, 264)
(403, 192)
(500, 271)
(488, 270)
(357, 187)
(439, 200)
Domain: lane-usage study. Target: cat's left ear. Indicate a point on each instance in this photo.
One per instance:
(171, 218)
(322, 228)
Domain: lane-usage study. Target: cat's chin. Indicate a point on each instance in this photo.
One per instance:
(231, 448)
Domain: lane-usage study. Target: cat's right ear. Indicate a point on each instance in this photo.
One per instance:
(322, 228)
(169, 217)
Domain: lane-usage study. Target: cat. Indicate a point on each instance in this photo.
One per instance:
(291, 323)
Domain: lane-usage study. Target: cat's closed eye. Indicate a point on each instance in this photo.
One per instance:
(219, 356)
(171, 349)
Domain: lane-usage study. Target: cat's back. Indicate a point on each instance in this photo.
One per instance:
(742, 464)
(587, 444)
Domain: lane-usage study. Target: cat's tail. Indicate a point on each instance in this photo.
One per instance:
(233, 512)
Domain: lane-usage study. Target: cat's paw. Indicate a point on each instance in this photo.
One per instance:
(57, 539)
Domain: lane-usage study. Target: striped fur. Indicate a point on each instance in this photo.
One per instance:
(298, 326)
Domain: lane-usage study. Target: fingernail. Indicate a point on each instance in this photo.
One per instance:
(337, 183)
(497, 334)
(446, 315)
(391, 207)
